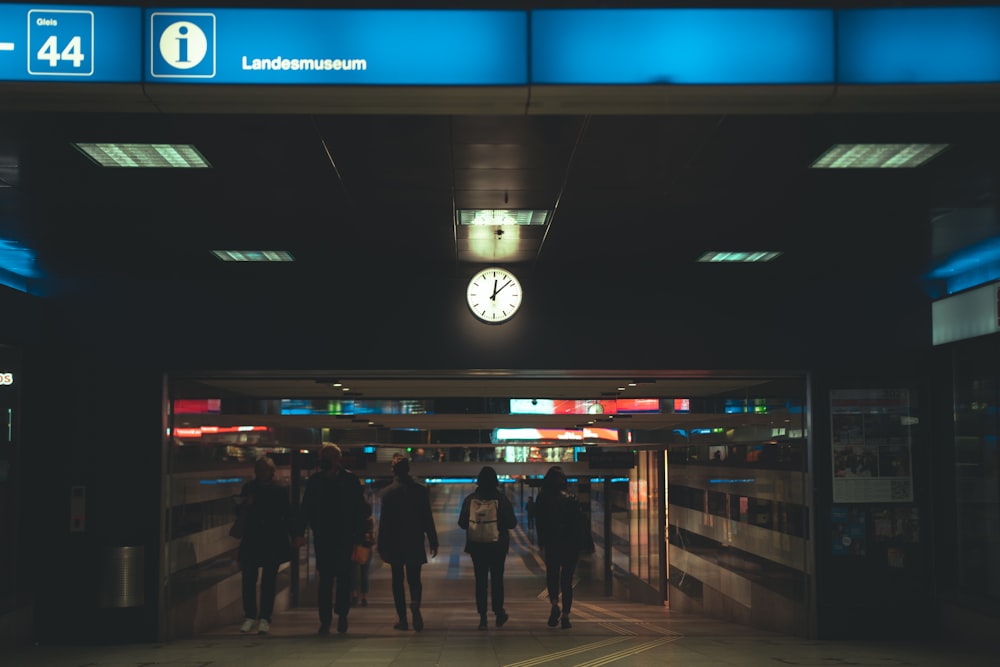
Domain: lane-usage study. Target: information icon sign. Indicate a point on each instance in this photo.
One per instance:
(60, 42)
(182, 45)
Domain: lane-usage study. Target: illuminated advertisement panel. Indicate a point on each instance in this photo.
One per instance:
(358, 47)
(197, 406)
(919, 45)
(682, 46)
(554, 434)
(548, 406)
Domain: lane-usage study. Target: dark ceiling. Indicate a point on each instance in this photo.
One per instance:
(628, 191)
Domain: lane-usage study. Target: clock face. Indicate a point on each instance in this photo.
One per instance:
(494, 295)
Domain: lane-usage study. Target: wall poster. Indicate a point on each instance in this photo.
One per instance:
(871, 437)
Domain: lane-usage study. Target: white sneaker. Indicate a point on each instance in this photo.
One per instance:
(247, 625)
(263, 627)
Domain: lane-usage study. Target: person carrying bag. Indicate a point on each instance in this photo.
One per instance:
(487, 517)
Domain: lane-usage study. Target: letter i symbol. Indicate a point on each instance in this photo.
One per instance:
(182, 44)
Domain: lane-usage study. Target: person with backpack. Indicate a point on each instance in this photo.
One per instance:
(487, 517)
(563, 533)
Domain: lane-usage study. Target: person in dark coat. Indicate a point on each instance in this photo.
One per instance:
(488, 559)
(559, 522)
(404, 522)
(266, 542)
(334, 507)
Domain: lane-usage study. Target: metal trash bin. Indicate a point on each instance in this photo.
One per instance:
(122, 578)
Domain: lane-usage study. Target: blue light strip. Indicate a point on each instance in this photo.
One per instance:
(220, 480)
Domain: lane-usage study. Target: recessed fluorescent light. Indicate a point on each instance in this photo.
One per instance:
(877, 156)
(499, 216)
(727, 256)
(184, 156)
(253, 255)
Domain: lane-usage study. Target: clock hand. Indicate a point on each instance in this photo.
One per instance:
(501, 287)
(493, 297)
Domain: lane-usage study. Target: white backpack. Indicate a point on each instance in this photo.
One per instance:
(483, 525)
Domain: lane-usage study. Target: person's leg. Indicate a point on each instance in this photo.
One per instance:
(481, 567)
(363, 585)
(398, 595)
(415, 584)
(268, 589)
(566, 583)
(342, 600)
(345, 584)
(496, 584)
(552, 576)
(324, 597)
(552, 570)
(249, 580)
(416, 593)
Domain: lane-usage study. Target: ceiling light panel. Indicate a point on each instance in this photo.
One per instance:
(731, 256)
(877, 156)
(254, 255)
(160, 156)
(502, 217)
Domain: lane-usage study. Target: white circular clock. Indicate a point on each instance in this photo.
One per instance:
(494, 295)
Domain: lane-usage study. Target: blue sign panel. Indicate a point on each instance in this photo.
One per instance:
(919, 45)
(337, 47)
(70, 43)
(682, 46)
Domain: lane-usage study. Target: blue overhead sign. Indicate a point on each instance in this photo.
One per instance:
(337, 47)
(920, 45)
(682, 46)
(70, 43)
(467, 47)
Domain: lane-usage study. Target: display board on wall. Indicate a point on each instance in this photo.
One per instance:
(872, 445)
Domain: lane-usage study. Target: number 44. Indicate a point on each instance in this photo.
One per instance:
(71, 52)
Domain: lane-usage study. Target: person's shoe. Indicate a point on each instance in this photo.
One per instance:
(401, 625)
(364, 602)
(554, 616)
(324, 629)
(264, 627)
(418, 620)
(566, 625)
(247, 625)
(342, 624)
(501, 618)
(482, 622)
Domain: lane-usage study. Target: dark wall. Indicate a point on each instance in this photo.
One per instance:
(93, 405)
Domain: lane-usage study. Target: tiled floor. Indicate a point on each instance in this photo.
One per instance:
(605, 631)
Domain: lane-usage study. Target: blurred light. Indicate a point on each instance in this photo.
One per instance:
(17, 265)
(254, 255)
(183, 156)
(877, 156)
